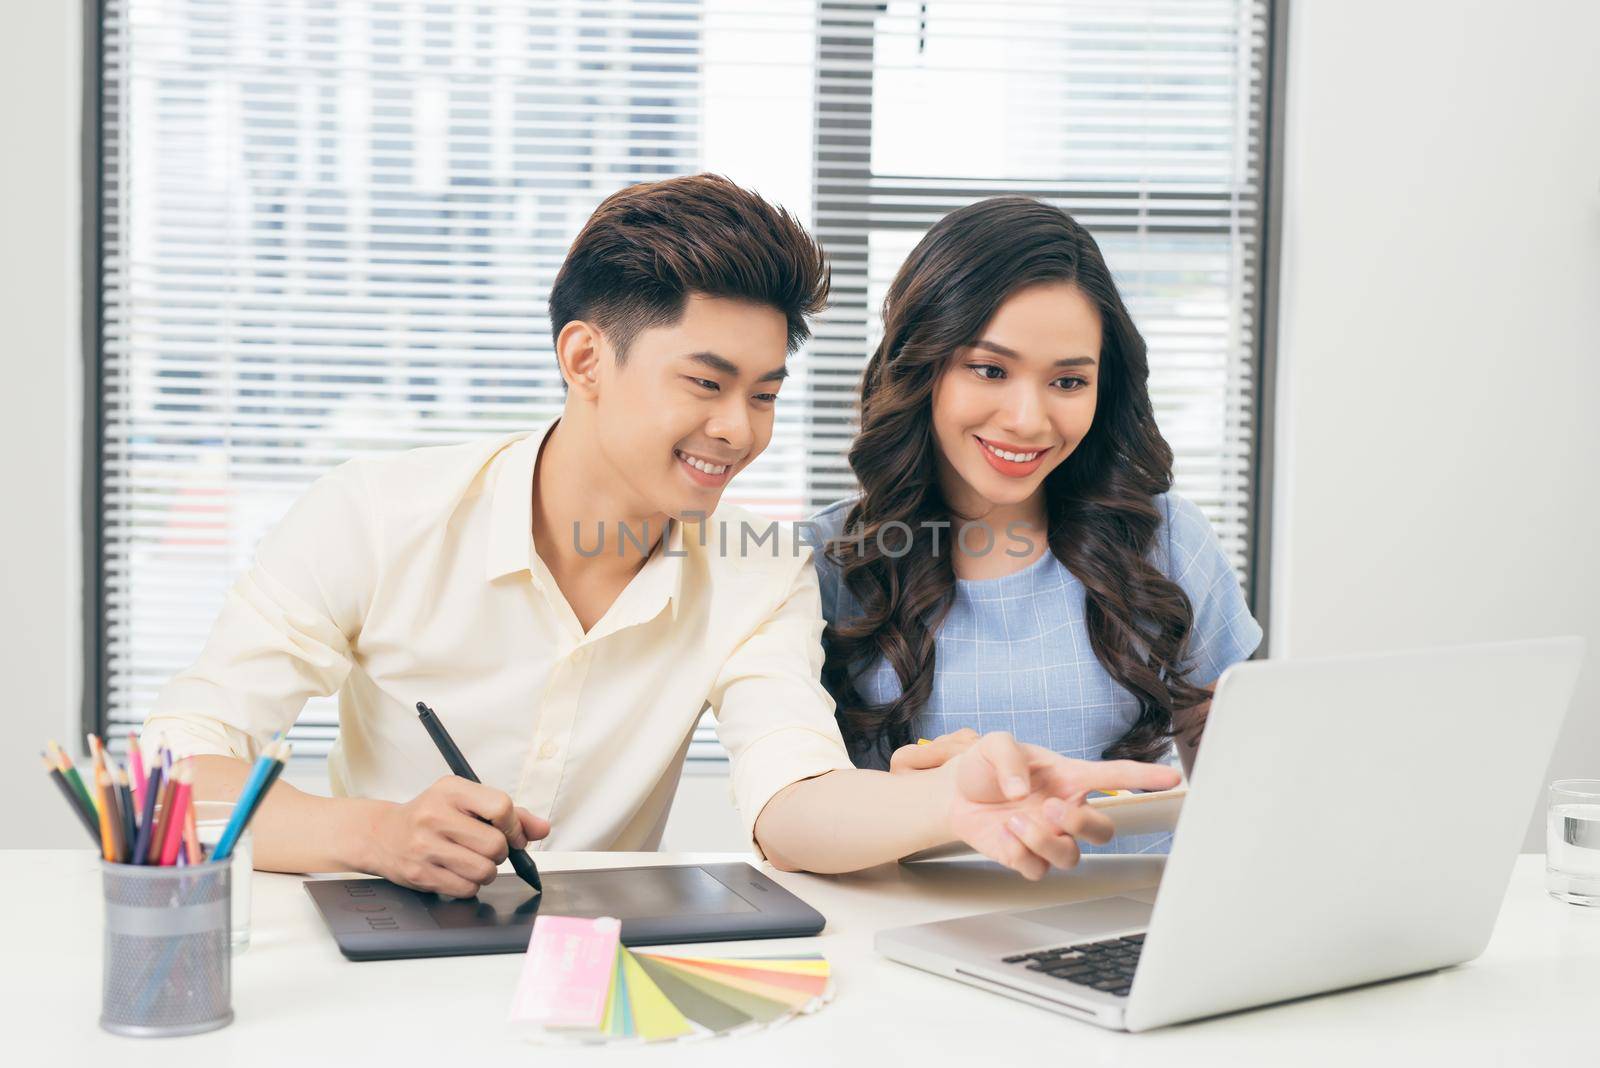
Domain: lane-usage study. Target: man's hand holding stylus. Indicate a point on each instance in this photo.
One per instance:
(439, 840)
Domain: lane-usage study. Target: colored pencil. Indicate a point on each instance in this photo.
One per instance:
(107, 847)
(158, 834)
(70, 773)
(191, 837)
(282, 757)
(72, 798)
(182, 779)
(130, 822)
(136, 770)
(97, 755)
(147, 815)
(119, 836)
(80, 797)
(249, 798)
(280, 752)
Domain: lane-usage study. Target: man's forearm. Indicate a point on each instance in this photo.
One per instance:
(294, 831)
(848, 820)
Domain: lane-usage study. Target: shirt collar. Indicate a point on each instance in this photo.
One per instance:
(658, 585)
(510, 547)
(511, 550)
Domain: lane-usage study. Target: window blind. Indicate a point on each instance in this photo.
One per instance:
(329, 227)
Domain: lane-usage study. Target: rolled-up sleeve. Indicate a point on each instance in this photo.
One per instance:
(285, 630)
(1223, 632)
(773, 716)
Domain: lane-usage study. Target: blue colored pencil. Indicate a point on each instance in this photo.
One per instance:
(147, 818)
(279, 751)
(244, 807)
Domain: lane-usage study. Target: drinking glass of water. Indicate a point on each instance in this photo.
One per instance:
(210, 819)
(1572, 842)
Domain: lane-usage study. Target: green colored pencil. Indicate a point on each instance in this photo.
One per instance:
(70, 773)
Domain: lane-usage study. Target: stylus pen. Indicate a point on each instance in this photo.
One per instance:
(459, 766)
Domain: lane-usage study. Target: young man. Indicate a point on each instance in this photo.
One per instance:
(569, 601)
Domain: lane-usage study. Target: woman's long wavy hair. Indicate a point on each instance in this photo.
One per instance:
(1100, 504)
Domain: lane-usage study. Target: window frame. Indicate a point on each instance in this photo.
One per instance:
(95, 647)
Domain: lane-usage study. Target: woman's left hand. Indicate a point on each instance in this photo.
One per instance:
(924, 756)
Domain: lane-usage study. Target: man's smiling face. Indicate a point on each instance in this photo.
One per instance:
(692, 403)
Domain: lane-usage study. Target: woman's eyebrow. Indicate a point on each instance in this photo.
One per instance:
(1012, 354)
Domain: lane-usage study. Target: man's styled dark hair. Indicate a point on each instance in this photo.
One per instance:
(648, 247)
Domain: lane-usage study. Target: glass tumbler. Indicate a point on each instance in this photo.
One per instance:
(1572, 841)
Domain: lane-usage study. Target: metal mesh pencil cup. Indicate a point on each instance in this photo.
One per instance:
(168, 965)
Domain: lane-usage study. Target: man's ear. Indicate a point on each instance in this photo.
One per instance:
(579, 349)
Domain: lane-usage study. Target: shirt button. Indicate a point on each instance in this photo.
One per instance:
(547, 750)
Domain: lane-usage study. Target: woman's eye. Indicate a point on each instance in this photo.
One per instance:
(1072, 384)
(982, 371)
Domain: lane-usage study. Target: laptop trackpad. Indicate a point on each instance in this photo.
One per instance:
(1089, 920)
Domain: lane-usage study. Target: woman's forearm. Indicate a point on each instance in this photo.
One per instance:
(849, 820)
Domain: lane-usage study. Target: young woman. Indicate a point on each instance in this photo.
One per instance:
(1015, 560)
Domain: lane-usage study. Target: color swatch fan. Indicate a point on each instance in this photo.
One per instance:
(581, 985)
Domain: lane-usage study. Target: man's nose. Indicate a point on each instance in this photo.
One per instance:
(731, 423)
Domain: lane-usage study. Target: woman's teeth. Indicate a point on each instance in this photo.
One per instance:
(699, 464)
(1014, 457)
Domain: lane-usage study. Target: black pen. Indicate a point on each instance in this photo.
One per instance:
(458, 766)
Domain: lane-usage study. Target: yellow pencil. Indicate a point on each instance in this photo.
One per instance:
(191, 836)
(107, 847)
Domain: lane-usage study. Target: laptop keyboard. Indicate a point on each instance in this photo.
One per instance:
(1106, 965)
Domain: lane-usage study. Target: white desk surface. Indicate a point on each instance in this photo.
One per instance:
(1530, 999)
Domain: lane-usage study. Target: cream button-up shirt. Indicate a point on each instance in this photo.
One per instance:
(413, 577)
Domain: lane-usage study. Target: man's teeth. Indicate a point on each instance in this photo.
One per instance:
(699, 464)
(1014, 457)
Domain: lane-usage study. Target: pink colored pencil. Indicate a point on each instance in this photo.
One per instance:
(180, 806)
(136, 762)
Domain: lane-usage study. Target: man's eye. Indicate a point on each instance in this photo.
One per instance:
(982, 371)
(767, 398)
(706, 383)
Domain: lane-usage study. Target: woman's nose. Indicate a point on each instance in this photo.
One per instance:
(1023, 413)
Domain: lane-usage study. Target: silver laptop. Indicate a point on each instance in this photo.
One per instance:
(1350, 820)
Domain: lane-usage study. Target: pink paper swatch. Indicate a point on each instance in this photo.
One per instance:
(567, 971)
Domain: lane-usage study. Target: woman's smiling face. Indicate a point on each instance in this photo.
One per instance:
(1012, 406)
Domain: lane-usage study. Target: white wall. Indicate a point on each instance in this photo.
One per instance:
(1440, 335)
(40, 421)
(1440, 317)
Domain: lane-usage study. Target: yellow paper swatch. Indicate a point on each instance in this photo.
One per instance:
(654, 1017)
(797, 967)
(608, 1019)
(795, 999)
(757, 1008)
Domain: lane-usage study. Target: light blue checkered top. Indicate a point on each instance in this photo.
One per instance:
(1013, 653)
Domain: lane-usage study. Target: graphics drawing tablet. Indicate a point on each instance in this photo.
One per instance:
(374, 919)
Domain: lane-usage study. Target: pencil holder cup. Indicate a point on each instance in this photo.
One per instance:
(168, 964)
